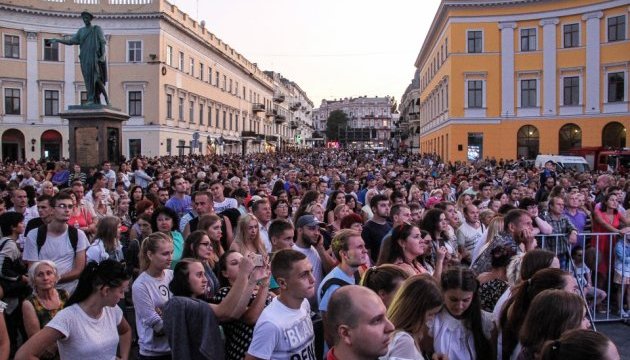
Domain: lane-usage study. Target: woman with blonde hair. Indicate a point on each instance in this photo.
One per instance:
(415, 304)
(247, 239)
(339, 212)
(494, 227)
(316, 210)
(47, 188)
(150, 291)
(106, 244)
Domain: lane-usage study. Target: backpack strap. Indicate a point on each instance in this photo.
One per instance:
(3, 244)
(330, 282)
(41, 237)
(73, 234)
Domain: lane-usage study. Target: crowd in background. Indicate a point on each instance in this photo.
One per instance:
(260, 256)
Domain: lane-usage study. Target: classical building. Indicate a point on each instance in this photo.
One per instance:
(173, 76)
(409, 124)
(369, 120)
(517, 78)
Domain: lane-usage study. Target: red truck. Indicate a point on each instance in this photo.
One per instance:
(604, 158)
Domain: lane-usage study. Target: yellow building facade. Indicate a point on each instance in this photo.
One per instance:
(514, 79)
(169, 72)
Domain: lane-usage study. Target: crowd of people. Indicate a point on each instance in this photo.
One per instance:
(318, 254)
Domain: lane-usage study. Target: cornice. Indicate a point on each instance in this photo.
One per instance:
(77, 15)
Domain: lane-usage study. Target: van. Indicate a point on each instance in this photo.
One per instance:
(575, 163)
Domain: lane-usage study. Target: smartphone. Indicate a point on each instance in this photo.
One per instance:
(258, 260)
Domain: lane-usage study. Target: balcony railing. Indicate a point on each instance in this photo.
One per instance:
(248, 134)
(257, 107)
(294, 125)
(279, 98)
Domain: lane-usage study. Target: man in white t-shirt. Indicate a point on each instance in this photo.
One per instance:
(58, 247)
(221, 202)
(284, 329)
(471, 231)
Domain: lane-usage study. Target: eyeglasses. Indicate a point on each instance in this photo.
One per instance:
(65, 206)
(206, 244)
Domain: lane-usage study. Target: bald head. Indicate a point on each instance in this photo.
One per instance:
(357, 322)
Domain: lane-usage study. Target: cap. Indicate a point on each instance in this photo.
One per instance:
(307, 220)
(370, 177)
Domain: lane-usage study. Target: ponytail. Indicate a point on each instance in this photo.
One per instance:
(151, 243)
(108, 273)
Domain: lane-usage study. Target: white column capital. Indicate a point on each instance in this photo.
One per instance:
(507, 25)
(31, 36)
(593, 15)
(549, 21)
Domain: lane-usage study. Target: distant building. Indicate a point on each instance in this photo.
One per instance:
(166, 70)
(514, 79)
(369, 120)
(410, 115)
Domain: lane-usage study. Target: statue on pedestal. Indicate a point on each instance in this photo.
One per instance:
(91, 43)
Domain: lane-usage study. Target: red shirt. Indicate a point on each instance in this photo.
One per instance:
(331, 354)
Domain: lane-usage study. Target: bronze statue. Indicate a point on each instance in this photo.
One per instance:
(91, 43)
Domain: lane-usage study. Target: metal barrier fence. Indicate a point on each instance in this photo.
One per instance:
(600, 251)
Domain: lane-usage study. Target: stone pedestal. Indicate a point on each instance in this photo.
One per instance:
(95, 134)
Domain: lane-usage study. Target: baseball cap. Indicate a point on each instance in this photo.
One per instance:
(307, 220)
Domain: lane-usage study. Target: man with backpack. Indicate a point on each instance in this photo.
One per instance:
(62, 244)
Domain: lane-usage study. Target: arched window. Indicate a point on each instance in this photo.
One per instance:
(527, 142)
(614, 135)
(569, 137)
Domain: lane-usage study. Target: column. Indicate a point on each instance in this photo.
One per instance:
(507, 68)
(549, 66)
(592, 81)
(32, 75)
(69, 92)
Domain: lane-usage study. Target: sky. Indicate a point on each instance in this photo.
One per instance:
(330, 48)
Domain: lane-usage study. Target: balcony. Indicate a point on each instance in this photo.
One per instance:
(256, 108)
(279, 118)
(272, 138)
(248, 134)
(279, 98)
(295, 106)
(294, 125)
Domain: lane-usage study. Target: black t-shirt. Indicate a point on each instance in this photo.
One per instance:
(373, 234)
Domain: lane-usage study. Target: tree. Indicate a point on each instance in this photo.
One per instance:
(336, 122)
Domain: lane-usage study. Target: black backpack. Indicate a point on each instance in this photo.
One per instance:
(337, 281)
(73, 234)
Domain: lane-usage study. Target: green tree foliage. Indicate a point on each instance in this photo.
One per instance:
(336, 120)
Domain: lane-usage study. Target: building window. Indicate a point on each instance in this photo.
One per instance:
(616, 28)
(191, 112)
(181, 61)
(230, 121)
(135, 148)
(475, 146)
(201, 71)
(528, 93)
(216, 79)
(224, 82)
(192, 67)
(12, 46)
(528, 39)
(236, 122)
(475, 94)
(571, 35)
(209, 75)
(135, 51)
(12, 101)
(180, 147)
(569, 137)
(169, 146)
(475, 41)
(216, 119)
(181, 109)
(135, 103)
(201, 114)
(230, 88)
(169, 55)
(527, 142)
(616, 85)
(51, 51)
(83, 96)
(51, 102)
(169, 106)
(571, 90)
(209, 116)
(224, 120)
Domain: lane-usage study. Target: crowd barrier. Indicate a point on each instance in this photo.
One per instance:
(599, 256)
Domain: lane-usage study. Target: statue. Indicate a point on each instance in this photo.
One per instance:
(91, 43)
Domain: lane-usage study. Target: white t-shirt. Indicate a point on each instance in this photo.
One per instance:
(468, 236)
(57, 249)
(452, 338)
(86, 337)
(149, 293)
(227, 203)
(283, 333)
